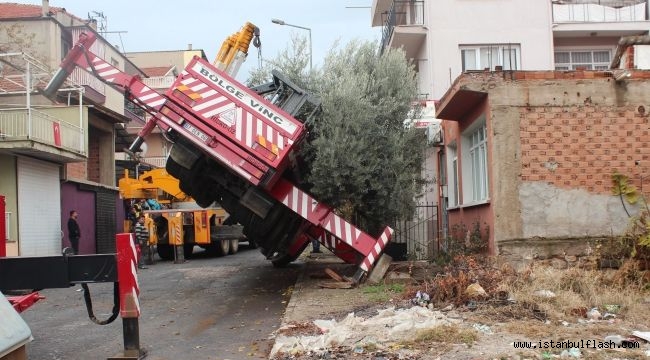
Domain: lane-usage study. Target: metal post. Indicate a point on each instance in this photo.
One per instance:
(281, 22)
(28, 88)
(127, 260)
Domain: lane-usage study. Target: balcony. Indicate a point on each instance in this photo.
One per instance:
(39, 134)
(578, 18)
(403, 26)
(159, 82)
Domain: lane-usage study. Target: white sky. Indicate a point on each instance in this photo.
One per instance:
(172, 25)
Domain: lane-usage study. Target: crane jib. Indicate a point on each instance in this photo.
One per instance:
(252, 102)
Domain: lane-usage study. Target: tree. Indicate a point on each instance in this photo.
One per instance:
(362, 160)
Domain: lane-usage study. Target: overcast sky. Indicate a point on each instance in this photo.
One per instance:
(149, 25)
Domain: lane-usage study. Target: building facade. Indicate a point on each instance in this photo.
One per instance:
(56, 154)
(451, 42)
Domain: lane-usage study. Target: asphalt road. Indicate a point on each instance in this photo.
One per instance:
(206, 308)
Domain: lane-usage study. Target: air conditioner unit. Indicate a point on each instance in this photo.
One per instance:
(434, 134)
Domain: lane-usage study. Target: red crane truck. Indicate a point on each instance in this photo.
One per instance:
(238, 146)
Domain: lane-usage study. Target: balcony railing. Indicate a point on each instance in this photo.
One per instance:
(34, 125)
(157, 161)
(401, 13)
(154, 161)
(159, 82)
(599, 11)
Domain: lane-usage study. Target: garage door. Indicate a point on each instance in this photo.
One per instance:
(39, 208)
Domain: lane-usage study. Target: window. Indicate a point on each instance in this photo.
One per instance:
(478, 159)
(468, 166)
(481, 57)
(587, 59)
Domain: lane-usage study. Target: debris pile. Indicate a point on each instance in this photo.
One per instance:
(353, 332)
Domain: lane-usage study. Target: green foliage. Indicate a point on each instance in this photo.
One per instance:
(635, 243)
(383, 292)
(360, 159)
(622, 187)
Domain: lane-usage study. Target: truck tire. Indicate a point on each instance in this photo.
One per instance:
(188, 249)
(165, 251)
(282, 260)
(223, 247)
(234, 246)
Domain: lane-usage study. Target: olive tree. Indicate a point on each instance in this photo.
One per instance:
(360, 160)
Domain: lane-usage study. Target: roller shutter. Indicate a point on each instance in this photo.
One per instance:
(39, 208)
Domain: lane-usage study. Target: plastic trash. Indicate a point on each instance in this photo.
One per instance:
(544, 294)
(594, 314)
(616, 339)
(482, 328)
(570, 353)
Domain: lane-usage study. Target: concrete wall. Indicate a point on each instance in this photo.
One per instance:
(179, 58)
(453, 23)
(556, 143)
(40, 39)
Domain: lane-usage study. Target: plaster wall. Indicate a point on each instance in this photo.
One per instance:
(556, 143)
(453, 23)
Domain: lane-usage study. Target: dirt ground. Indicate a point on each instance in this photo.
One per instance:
(540, 307)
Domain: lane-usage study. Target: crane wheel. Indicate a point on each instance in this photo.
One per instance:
(234, 246)
(165, 251)
(223, 247)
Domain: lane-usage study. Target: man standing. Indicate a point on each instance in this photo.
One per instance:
(142, 237)
(74, 233)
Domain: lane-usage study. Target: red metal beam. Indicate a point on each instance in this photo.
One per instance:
(22, 303)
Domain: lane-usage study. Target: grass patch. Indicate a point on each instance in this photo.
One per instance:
(579, 289)
(383, 292)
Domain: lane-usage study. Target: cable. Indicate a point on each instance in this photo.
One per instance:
(89, 305)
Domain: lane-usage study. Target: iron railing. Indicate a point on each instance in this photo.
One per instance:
(579, 11)
(159, 82)
(34, 125)
(420, 234)
(401, 13)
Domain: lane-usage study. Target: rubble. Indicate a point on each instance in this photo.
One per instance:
(390, 325)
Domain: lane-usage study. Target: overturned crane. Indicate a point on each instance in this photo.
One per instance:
(239, 147)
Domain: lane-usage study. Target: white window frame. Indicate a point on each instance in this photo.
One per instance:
(495, 54)
(592, 65)
(476, 140)
(453, 188)
(467, 164)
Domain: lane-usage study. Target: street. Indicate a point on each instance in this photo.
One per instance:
(205, 308)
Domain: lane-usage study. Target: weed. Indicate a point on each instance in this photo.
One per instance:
(383, 292)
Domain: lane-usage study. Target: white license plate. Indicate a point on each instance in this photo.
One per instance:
(196, 132)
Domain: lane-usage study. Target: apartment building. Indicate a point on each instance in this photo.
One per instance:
(57, 155)
(445, 38)
(483, 61)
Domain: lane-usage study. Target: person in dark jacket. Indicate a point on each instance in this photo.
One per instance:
(74, 233)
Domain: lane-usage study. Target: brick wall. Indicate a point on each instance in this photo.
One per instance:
(582, 146)
(93, 157)
(76, 170)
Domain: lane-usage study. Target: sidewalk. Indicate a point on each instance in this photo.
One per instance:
(309, 301)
